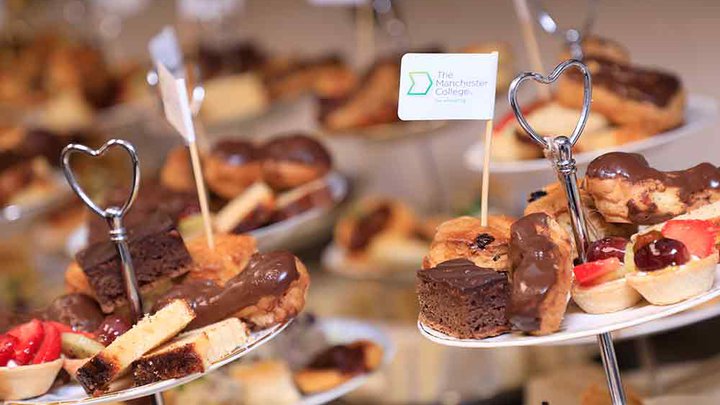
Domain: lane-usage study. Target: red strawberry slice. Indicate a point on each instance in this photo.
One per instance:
(597, 272)
(7, 349)
(29, 336)
(697, 235)
(51, 345)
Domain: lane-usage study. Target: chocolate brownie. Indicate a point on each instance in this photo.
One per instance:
(463, 300)
(157, 250)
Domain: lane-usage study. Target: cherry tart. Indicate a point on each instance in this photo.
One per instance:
(675, 263)
(600, 286)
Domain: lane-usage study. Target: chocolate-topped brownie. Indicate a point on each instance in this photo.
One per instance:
(463, 300)
(157, 250)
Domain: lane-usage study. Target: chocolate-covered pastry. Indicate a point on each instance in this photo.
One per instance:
(79, 311)
(292, 160)
(541, 274)
(463, 300)
(158, 254)
(627, 95)
(627, 190)
(338, 364)
(232, 166)
(271, 289)
(371, 219)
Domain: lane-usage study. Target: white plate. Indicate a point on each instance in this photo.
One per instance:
(74, 393)
(685, 318)
(293, 233)
(578, 324)
(340, 331)
(512, 182)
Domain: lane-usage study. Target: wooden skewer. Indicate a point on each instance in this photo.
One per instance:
(486, 174)
(364, 34)
(531, 44)
(202, 194)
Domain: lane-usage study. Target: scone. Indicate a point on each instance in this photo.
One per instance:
(464, 237)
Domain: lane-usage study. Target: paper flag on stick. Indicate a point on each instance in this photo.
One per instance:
(176, 103)
(165, 50)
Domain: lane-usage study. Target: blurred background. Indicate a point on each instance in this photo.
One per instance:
(80, 71)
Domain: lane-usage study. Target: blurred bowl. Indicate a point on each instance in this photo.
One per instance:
(682, 147)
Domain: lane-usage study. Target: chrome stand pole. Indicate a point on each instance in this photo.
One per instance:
(559, 151)
(114, 218)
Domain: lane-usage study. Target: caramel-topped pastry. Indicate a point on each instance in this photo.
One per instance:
(541, 274)
(642, 98)
(270, 290)
(627, 190)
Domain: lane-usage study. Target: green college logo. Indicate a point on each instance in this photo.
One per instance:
(420, 83)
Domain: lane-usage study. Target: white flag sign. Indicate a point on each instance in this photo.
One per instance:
(165, 49)
(447, 86)
(175, 103)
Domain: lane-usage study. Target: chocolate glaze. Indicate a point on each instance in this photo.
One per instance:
(534, 262)
(348, 359)
(631, 82)
(236, 152)
(461, 274)
(267, 274)
(634, 168)
(297, 149)
(369, 225)
(79, 311)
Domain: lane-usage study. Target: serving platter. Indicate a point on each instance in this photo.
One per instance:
(74, 393)
(700, 313)
(578, 324)
(513, 181)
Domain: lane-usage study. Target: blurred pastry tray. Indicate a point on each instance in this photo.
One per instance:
(334, 261)
(701, 112)
(342, 331)
(289, 234)
(16, 216)
(74, 393)
(578, 324)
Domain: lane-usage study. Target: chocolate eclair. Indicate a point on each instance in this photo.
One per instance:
(270, 290)
(337, 364)
(292, 160)
(541, 274)
(370, 219)
(627, 95)
(463, 300)
(627, 190)
(231, 166)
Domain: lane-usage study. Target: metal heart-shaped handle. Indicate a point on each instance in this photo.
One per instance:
(587, 97)
(110, 212)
